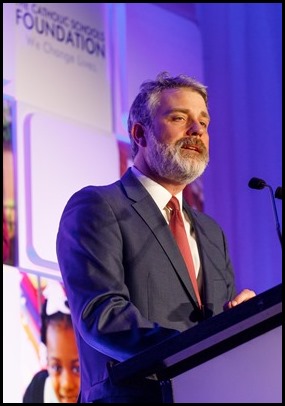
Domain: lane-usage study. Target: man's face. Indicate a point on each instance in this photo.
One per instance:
(178, 145)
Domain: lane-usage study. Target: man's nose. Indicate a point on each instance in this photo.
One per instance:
(195, 129)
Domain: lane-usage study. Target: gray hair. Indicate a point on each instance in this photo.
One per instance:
(146, 102)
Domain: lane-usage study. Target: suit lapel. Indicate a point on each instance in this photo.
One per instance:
(150, 213)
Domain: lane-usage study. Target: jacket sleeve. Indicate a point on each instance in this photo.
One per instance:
(90, 251)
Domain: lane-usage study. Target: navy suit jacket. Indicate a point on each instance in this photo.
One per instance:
(125, 279)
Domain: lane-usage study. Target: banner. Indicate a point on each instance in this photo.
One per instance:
(59, 59)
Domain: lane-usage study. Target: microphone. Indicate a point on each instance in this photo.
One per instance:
(256, 183)
(278, 193)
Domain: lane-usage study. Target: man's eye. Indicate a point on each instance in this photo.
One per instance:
(178, 118)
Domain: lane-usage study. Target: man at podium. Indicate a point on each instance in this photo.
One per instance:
(123, 267)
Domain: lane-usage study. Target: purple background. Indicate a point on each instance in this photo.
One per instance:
(242, 64)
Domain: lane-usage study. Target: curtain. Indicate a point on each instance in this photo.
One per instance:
(242, 69)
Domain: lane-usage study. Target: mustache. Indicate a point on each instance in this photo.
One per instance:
(191, 142)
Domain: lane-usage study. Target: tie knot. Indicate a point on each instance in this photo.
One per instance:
(173, 204)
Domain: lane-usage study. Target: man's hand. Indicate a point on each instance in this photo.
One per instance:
(243, 296)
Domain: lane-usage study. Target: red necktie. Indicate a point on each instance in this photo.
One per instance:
(178, 230)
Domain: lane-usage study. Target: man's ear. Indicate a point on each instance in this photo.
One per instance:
(138, 134)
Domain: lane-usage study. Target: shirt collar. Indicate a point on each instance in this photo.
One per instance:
(160, 195)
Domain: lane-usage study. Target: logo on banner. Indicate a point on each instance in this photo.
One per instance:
(59, 35)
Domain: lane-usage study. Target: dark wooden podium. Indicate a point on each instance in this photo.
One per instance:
(234, 357)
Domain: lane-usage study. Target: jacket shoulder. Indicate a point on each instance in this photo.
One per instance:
(34, 393)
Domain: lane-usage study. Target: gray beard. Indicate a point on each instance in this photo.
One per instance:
(168, 162)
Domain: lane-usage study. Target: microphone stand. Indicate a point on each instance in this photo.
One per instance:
(275, 213)
(257, 183)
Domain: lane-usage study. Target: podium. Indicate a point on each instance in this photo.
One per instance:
(234, 357)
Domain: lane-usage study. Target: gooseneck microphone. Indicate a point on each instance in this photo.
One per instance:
(256, 183)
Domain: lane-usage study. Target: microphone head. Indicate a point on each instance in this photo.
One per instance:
(278, 193)
(256, 183)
